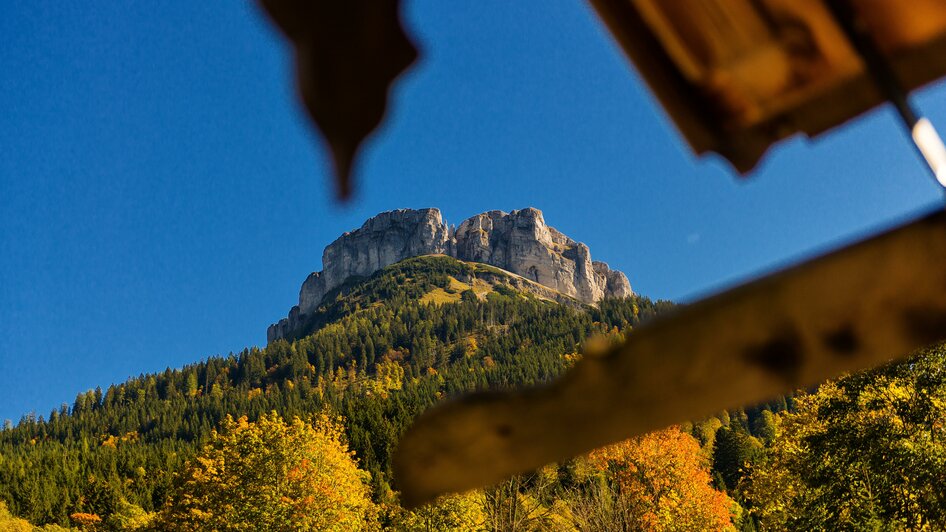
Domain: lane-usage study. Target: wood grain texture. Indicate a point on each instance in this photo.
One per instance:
(733, 103)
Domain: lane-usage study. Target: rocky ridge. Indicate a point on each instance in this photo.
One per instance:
(519, 242)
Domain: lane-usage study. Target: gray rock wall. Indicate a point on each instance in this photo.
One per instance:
(519, 242)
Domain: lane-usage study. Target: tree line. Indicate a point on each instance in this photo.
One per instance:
(377, 356)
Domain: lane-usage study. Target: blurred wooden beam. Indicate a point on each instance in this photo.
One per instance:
(347, 56)
(737, 76)
(850, 310)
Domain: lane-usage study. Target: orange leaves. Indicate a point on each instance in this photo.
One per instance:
(86, 521)
(664, 482)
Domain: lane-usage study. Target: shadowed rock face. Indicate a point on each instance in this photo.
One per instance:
(519, 242)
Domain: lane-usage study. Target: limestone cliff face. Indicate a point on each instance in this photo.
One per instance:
(519, 242)
(383, 240)
(522, 243)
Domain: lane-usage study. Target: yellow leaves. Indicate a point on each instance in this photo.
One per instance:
(271, 474)
(216, 391)
(254, 393)
(341, 380)
(471, 346)
(863, 452)
(112, 441)
(571, 358)
(389, 376)
(9, 523)
(129, 517)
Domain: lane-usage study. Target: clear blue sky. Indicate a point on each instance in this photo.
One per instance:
(162, 198)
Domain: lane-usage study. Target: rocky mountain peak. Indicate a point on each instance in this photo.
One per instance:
(519, 242)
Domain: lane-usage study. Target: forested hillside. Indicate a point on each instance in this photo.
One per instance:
(386, 348)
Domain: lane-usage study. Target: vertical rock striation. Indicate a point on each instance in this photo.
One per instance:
(519, 242)
(522, 243)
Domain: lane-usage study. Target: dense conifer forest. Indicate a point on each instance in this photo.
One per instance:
(864, 452)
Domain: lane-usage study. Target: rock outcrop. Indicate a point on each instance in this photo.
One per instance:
(383, 240)
(522, 243)
(519, 242)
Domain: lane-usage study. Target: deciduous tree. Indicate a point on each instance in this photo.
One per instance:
(662, 481)
(867, 452)
(272, 475)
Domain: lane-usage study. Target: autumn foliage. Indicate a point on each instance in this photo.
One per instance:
(9, 523)
(663, 483)
(865, 452)
(272, 475)
(86, 521)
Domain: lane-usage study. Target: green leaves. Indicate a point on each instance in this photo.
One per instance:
(867, 450)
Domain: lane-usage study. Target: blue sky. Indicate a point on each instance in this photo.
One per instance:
(162, 198)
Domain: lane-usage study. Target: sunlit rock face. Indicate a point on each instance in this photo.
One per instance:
(522, 243)
(383, 240)
(519, 242)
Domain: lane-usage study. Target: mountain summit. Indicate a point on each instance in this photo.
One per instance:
(519, 242)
